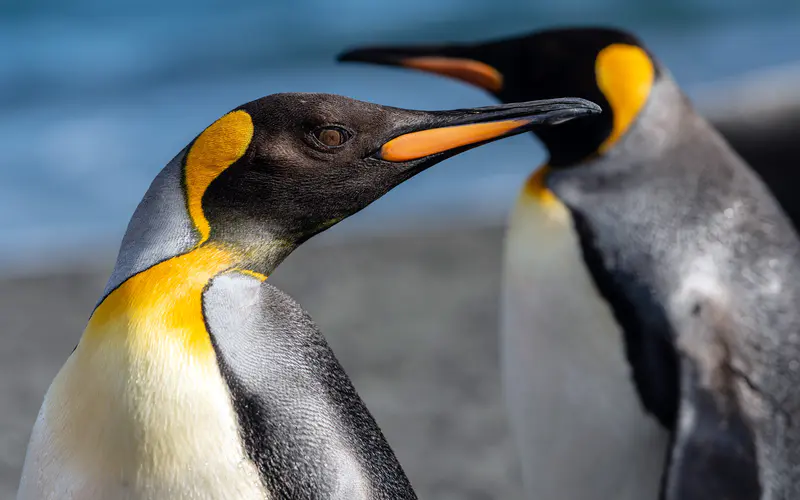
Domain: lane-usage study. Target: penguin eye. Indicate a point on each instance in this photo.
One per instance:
(331, 137)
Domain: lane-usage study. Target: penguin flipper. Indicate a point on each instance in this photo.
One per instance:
(301, 420)
(713, 450)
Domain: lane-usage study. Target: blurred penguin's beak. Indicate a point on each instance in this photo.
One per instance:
(432, 59)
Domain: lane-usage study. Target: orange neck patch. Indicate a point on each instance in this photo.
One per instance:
(536, 189)
(216, 149)
(163, 302)
(625, 75)
(253, 274)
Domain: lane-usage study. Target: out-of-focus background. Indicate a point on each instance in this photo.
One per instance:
(95, 97)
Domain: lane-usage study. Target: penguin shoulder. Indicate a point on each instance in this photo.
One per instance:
(301, 419)
(250, 319)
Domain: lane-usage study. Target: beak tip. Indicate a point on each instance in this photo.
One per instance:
(591, 107)
(576, 108)
(345, 56)
(361, 55)
(580, 106)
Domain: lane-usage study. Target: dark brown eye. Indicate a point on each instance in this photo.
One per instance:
(331, 136)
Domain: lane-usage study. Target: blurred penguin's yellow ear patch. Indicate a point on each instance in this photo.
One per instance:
(625, 75)
(217, 148)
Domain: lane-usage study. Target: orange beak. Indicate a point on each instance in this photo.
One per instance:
(447, 131)
(471, 71)
(429, 142)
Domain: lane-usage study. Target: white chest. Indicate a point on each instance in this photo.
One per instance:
(117, 425)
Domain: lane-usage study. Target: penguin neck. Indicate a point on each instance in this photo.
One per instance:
(656, 123)
(161, 229)
(561, 144)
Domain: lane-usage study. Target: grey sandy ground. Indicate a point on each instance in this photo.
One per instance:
(412, 319)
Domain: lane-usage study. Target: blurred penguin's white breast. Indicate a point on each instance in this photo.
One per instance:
(578, 422)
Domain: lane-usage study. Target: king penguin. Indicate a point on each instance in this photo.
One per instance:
(194, 378)
(637, 208)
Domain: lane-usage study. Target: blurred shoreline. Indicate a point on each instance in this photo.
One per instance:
(758, 112)
(93, 106)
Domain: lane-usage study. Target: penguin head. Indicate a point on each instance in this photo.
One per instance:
(606, 66)
(291, 165)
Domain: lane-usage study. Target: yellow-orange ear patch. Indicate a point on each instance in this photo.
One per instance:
(625, 76)
(216, 149)
(467, 70)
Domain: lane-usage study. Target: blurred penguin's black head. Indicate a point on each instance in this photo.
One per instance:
(607, 66)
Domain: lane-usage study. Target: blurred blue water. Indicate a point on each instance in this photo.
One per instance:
(96, 97)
